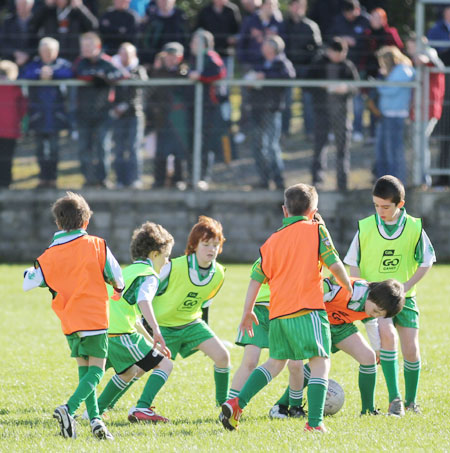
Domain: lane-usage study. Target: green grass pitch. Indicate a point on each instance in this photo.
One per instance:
(36, 375)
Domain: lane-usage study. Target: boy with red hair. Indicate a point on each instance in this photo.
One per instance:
(181, 304)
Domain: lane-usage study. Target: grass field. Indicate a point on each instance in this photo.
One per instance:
(36, 375)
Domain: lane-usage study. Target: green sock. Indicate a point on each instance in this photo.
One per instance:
(411, 372)
(284, 400)
(306, 375)
(295, 397)
(85, 387)
(367, 381)
(259, 378)
(389, 364)
(317, 392)
(222, 380)
(233, 393)
(117, 398)
(115, 386)
(91, 407)
(153, 385)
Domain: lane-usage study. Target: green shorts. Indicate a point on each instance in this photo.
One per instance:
(261, 331)
(90, 346)
(184, 341)
(409, 316)
(340, 333)
(127, 350)
(300, 338)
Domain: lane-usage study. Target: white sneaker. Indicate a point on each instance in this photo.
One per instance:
(66, 421)
(99, 430)
(279, 411)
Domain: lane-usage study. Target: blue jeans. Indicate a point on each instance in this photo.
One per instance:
(128, 133)
(266, 149)
(389, 148)
(358, 109)
(94, 147)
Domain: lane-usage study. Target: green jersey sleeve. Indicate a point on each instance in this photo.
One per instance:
(328, 253)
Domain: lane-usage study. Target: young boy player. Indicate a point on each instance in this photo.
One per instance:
(393, 244)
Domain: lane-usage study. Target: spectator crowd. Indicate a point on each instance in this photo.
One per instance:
(340, 40)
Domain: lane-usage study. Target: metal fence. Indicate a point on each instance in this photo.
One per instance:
(229, 144)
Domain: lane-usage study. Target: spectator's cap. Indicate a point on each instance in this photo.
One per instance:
(338, 45)
(9, 69)
(349, 5)
(174, 48)
(277, 43)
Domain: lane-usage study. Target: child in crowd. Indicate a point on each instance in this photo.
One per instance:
(394, 105)
(290, 263)
(75, 268)
(129, 353)
(188, 285)
(393, 244)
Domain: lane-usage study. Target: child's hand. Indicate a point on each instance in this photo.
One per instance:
(117, 294)
(160, 344)
(246, 324)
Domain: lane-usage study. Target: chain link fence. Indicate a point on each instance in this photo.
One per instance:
(246, 140)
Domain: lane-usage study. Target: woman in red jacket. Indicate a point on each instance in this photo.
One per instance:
(12, 110)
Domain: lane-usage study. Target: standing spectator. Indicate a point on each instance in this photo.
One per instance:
(249, 7)
(214, 132)
(303, 39)
(93, 105)
(118, 24)
(169, 115)
(267, 103)
(63, 20)
(378, 35)
(16, 42)
(394, 105)
(47, 116)
(265, 22)
(222, 18)
(428, 57)
(332, 111)
(12, 110)
(164, 23)
(324, 13)
(441, 32)
(350, 26)
(128, 119)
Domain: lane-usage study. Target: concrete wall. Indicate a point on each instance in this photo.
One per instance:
(248, 218)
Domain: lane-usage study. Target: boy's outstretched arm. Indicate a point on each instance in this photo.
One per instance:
(248, 316)
(338, 270)
(147, 311)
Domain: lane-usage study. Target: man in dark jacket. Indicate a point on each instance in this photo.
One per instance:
(332, 107)
(128, 119)
(47, 115)
(303, 39)
(16, 44)
(93, 106)
(163, 23)
(223, 19)
(118, 24)
(63, 20)
(267, 104)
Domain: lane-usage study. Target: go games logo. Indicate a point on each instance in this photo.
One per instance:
(190, 302)
(390, 262)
